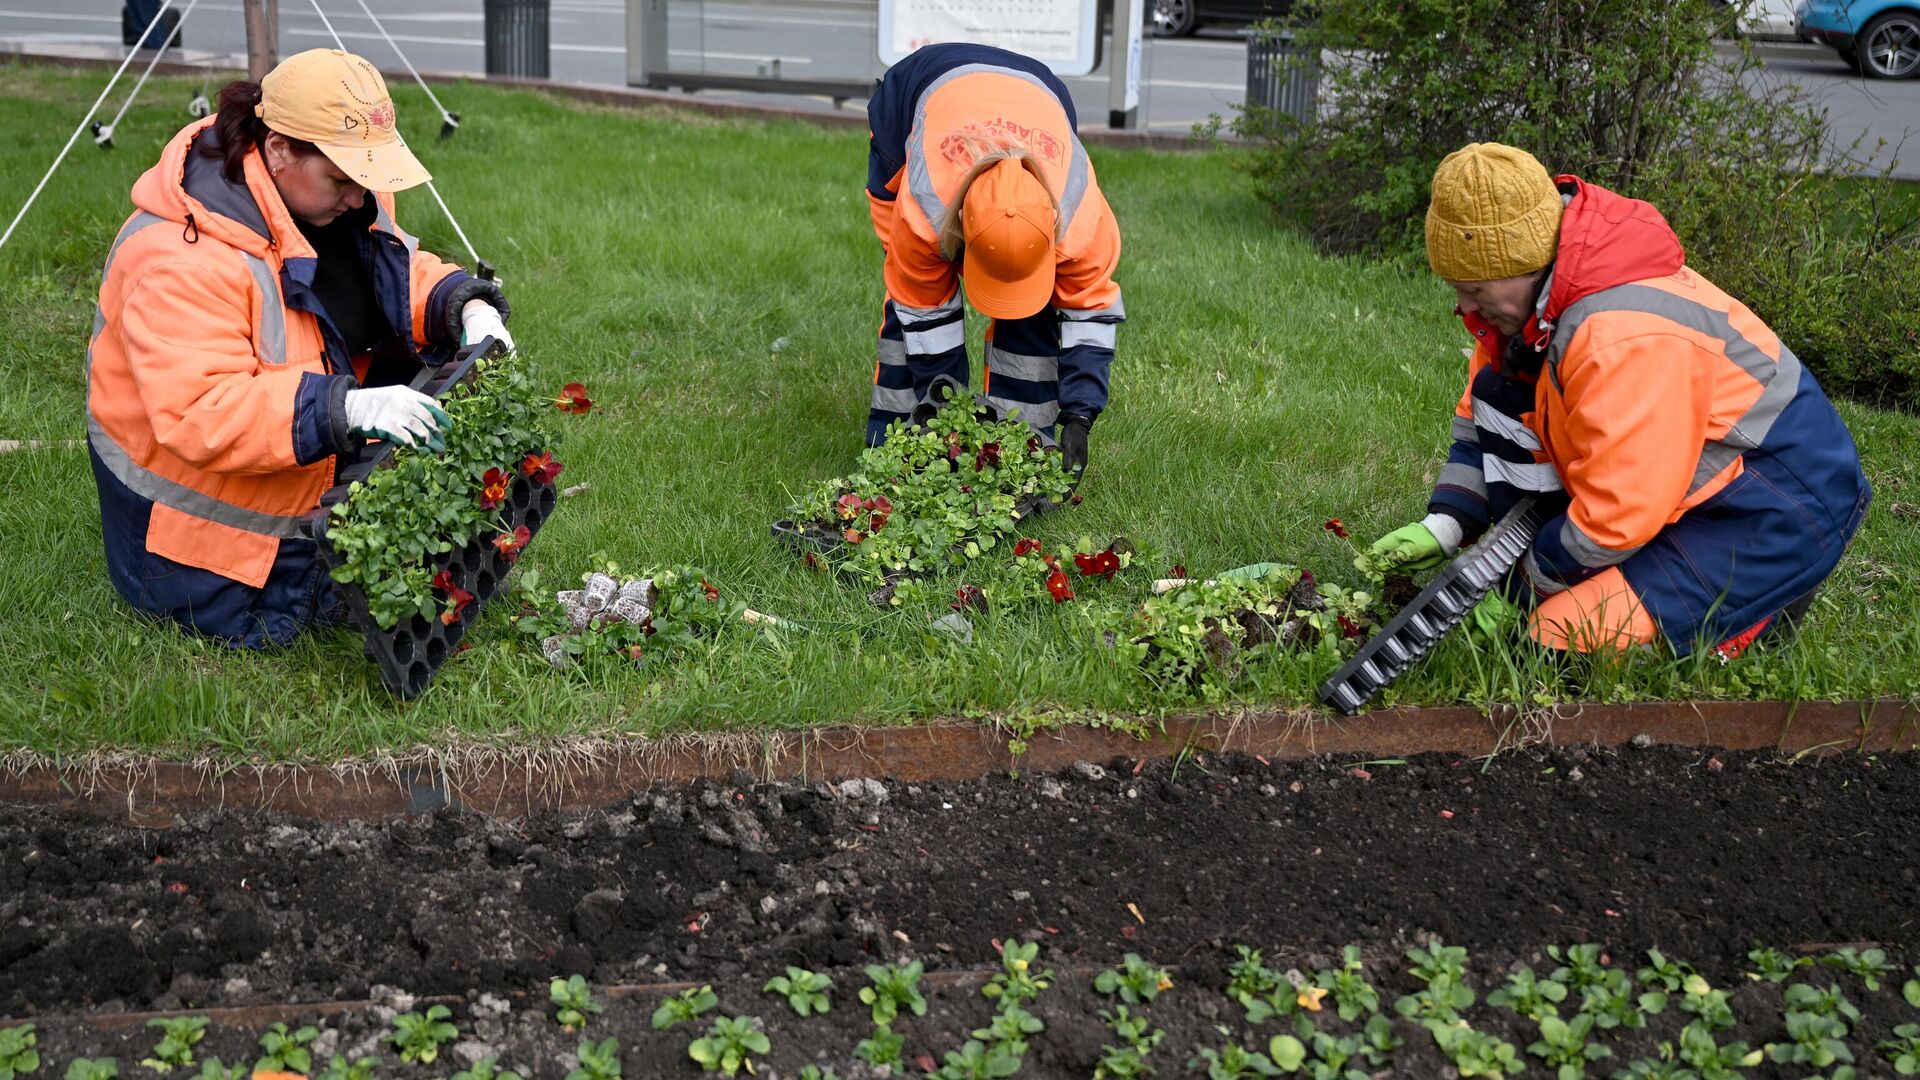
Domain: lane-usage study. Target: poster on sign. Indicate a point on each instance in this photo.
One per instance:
(1063, 34)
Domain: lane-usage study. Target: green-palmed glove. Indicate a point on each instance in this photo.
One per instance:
(397, 414)
(1494, 617)
(1423, 545)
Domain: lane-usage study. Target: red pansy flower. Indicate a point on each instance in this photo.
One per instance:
(541, 467)
(849, 505)
(968, 597)
(1348, 628)
(882, 509)
(1028, 546)
(460, 597)
(573, 399)
(1333, 526)
(1057, 585)
(493, 488)
(989, 455)
(813, 562)
(853, 536)
(509, 544)
(1104, 564)
(1179, 571)
(634, 652)
(713, 594)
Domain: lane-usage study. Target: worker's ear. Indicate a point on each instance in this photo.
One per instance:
(277, 153)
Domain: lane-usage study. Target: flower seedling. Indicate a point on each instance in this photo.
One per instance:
(729, 1045)
(1580, 966)
(1775, 966)
(1352, 994)
(1662, 973)
(18, 1057)
(1010, 1028)
(1234, 1062)
(882, 1049)
(1612, 1003)
(1249, 978)
(977, 1061)
(286, 1051)
(1134, 980)
(93, 1069)
(804, 990)
(1665, 1068)
(212, 1069)
(815, 1072)
(1130, 1060)
(1712, 1060)
(1528, 996)
(1819, 1041)
(1016, 981)
(339, 1068)
(1334, 1058)
(1379, 1039)
(1903, 1050)
(487, 1068)
(1829, 1002)
(599, 1061)
(1475, 1053)
(1911, 990)
(894, 988)
(1870, 964)
(1564, 1047)
(178, 1037)
(685, 1005)
(419, 1036)
(575, 1002)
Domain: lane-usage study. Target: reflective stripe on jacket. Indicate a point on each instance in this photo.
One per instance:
(215, 386)
(923, 116)
(1655, 396)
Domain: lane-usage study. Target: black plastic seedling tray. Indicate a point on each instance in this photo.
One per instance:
(412, 652)
(1428, 617)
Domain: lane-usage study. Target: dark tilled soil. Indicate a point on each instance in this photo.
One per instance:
(1676, 849)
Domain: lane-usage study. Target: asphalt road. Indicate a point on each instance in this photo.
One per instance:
(1184, 80)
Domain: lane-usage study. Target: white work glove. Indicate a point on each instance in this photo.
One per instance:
(480, 320)
(397, 414)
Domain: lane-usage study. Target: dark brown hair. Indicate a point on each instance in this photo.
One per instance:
(238, 132)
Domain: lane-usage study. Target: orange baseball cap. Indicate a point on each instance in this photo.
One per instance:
(1008, 224)
(338, 102)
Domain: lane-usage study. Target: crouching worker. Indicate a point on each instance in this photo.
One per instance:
(261, 314)
(1698, 484)
(975, 176)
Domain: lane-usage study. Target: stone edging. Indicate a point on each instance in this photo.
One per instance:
(513, 782)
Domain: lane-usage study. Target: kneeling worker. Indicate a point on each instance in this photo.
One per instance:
(1697, 483)
(261, 313)
(975, 177)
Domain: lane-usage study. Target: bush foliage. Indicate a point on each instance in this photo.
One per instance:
(1634, 95)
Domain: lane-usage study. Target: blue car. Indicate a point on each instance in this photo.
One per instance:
(1879, 38)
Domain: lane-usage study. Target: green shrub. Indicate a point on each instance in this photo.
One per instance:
(1629, 94)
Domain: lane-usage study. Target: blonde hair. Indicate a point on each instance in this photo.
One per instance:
(986, 155)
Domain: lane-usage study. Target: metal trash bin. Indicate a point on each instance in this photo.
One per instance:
(1281, 76)
(516, 38)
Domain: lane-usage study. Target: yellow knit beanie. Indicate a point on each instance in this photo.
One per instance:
(1495, 214)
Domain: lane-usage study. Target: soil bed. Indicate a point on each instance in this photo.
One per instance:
(1700, 856)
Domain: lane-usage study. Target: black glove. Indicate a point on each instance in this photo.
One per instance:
(1073, 443)
(472, 289)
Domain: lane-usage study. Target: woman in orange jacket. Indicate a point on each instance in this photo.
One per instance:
(1698, 486)
(260, 316)
(975, 176)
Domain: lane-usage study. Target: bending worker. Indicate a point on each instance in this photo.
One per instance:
(260, 315)
(1698, 484)
(975, 177)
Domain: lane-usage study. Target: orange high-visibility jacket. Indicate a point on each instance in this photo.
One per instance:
(1694, 448)
(215, 395)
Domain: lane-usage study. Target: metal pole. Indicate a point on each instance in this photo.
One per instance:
(1123, 79)
(646, 41)
(263, 36)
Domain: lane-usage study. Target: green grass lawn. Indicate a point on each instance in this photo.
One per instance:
(1260, 389)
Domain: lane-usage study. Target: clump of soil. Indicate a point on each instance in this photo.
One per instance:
(1399, 591)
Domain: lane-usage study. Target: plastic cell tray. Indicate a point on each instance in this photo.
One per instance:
(412, 652)
(1410, 635)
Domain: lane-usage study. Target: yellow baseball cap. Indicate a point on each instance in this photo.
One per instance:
(1008, 222)
(338, 102)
